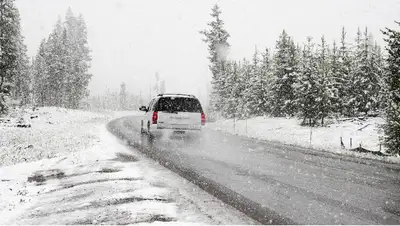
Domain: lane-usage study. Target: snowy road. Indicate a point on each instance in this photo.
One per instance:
(276, 183)
(93, 178)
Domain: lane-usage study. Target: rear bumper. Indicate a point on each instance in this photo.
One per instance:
(176, 127)
(179, 129)
(162, 130)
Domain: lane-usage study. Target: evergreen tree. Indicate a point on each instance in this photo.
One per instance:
(337, 80)
(123, 97)
(234, 96)
(56, 60)
(380, 69)
(60, 69)
(40, 76)
(374, 77)
(22, 81)
(243, 109)
(306, 86)
(253, 92)
(285, 74)
(162, 86)
(355, 81)
(345, 78)
(11, 51)
(225, 88)
(81, 63)
(366, 75)
(324, 82)
(157, 85)
(217, 39)
(392, 127)
(72, 60)
(265, 79)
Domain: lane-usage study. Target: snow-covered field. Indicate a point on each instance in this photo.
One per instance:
(55, 132)
(365, 132)
(91, 177)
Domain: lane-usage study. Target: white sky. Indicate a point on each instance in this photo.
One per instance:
(132, 40)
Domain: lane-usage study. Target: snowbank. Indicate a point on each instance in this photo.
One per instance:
(284, 130)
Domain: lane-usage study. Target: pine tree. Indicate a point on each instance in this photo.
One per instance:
(71, 41)
(225, 88)
(337, 80)
(243, 108)
(367, 88)
(157, 84)
(40, 76)
(22, 81)
(253, 92)
(217, 39)
(306, 86)
(345, 78)
(265, 82)
(61, 66)
(11, 51)
(81, 62)
(285, 74)
(162, 86)
(324, 83)
(356, 80)
(56, 60)
(234, 96)
(374, 77)
(380, 68)
(123, 97)
(392, 127)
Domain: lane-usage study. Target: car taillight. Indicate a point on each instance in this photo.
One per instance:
(155, 117)
(203, 119)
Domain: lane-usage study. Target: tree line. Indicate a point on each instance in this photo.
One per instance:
(313, 80)
(57, 76)
(114, 100)
(125, 100)
(60, 68)
(14, 62)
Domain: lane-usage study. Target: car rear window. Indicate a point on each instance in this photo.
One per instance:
(178, 104)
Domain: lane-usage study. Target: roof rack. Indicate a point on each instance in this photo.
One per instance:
(178, 94)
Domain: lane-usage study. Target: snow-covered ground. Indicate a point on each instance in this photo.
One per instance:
(91, 177)
(53, 133)
(365, 132)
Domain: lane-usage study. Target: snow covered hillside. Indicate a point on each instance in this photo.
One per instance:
(83, 175)
(365, 132)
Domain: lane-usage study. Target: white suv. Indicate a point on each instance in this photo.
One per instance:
(177, 113)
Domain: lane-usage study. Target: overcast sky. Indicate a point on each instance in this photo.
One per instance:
(132, 40)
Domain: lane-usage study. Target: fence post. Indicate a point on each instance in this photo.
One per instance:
(351, 142)
(234, 123)
(341, 142)
(246, 125)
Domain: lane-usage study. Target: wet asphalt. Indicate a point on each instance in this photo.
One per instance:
(276, 183)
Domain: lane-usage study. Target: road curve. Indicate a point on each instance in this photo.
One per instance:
(275, 183)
